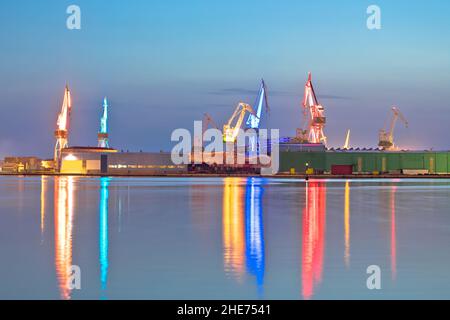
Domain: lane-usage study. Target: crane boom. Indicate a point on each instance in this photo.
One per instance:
(231, 132)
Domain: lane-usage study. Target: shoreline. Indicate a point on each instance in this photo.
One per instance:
(209, 175)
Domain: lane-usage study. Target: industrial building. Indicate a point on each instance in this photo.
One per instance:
(108, 161)
(20, 164)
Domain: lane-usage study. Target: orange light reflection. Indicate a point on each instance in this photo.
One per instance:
(64, 188)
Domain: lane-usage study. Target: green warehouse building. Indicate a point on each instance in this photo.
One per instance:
(366, 161)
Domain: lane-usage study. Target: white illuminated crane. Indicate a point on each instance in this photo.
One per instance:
(62, 126)
(103, 138)
(386, 138)
(347, 140)
(231, 132)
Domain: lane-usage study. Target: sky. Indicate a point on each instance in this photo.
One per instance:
(162, 64)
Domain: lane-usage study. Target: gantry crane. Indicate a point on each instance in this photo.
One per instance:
(230, 132)
(386, 138)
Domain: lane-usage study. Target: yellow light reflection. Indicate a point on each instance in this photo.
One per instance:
(233, 227)
(347, 224)
(64, 189)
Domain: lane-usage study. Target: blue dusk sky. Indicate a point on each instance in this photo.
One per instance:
(162, 64)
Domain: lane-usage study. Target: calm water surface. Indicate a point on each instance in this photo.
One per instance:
(223, 238)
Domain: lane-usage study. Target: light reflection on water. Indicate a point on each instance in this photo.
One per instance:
(64, 206)
(243, 237)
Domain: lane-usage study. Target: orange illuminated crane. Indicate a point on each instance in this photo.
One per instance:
(62, 127)
(386, 138)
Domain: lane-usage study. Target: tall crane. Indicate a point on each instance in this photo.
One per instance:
(254, 120)
(103, 138)
(231, 132)
(62, 126)
(347, 141)
(315, 113)
(386, 138)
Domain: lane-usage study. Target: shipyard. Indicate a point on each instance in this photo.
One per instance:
(304, 154)
(217, 158)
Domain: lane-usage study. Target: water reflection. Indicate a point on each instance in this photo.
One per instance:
(233, 227)
(313, 236)
(103, 232)
(393, 235)
(254, 230)
(44, 182)
(64, 205)
(347, 224)
(243, 231)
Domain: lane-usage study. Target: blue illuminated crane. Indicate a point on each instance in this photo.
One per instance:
(254, 120)
(103, 138)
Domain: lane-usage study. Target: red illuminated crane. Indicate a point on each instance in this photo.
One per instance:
(315, 114)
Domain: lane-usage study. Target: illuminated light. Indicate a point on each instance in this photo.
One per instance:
(70, 157)
(233, 227)
(313, 237)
